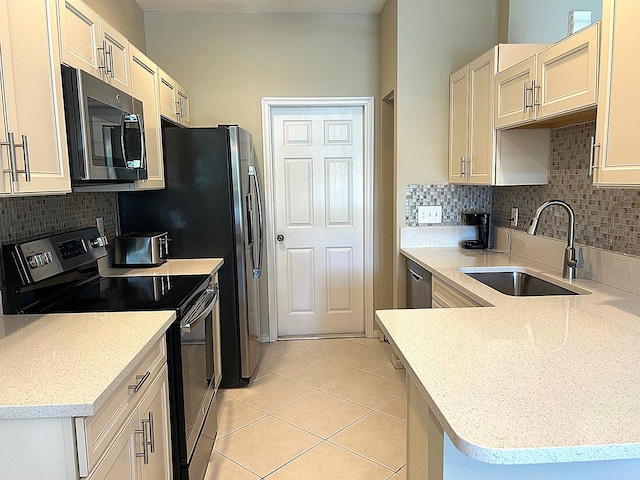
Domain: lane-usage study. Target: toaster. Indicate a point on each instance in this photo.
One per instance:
(141, 249)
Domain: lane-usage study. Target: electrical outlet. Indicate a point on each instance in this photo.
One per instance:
(514, 217)
(430, 214)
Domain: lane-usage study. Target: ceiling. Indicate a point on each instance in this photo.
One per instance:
(263, 6)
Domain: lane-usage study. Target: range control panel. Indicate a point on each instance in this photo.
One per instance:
(43, 258)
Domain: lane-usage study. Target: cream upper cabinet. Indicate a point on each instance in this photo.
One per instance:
(557, 81)
(174, 100)
(144, 86)
(513, 94)
(471, 122)
(617, 130)
(92, 45)
(184, 111)
(458, 124)
(34, 143)
(478, 154)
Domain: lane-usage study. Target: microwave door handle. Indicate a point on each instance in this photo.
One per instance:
(138, 119)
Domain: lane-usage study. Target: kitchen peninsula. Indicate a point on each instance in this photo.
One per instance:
(528, 387)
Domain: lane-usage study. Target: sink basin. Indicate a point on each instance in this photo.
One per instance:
(519, 283)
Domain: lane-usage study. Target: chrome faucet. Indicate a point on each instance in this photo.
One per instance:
(571, 263)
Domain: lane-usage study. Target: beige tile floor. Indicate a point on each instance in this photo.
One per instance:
(325, 409)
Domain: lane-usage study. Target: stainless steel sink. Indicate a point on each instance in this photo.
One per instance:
(519, 283)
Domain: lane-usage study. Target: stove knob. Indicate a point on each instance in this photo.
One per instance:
(35, 261)
(99, 242)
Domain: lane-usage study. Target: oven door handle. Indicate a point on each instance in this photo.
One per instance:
(207, 302)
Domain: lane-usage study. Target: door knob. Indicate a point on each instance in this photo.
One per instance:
(280, 237)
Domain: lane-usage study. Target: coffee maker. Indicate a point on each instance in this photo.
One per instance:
(485, 234)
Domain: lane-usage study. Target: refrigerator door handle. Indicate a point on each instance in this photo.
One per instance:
(257, 270)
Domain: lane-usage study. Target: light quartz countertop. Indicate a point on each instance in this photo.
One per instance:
(67, 365)
(173, 266)
(525, 379)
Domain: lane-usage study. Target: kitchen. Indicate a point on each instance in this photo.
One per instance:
(224, 98)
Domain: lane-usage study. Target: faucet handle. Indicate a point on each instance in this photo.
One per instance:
(580, 262)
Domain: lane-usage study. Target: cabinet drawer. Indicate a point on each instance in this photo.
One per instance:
(96, 433)
(448, 297)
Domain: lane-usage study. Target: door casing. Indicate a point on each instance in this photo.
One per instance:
(367, 104)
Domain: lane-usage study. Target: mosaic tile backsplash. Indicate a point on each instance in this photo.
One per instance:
(26, 218)
(605, 218)
(455, 200)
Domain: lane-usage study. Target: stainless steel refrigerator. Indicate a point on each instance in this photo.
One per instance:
(211, 207)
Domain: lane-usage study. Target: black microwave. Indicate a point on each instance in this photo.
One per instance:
(105, 131)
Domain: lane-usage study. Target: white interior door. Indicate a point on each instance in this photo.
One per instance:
(318, 183)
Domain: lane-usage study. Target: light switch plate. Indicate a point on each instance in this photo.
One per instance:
(430, 214)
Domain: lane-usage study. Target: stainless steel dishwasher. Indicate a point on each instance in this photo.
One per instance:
(418, 285)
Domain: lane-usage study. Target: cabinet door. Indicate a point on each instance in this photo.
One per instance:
(514, 94)
(458, 125)
(482, 137)
(617, 130)
(80, 33)
(116, 57)
(567, 74)
(144, 85)
(33, 94)
(168, 96)
(120, 461)
(154, 417)
(5, 179)
(184, 112)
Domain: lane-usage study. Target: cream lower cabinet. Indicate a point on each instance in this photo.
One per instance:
(479, 155)
(560, 80)
(444, 295)
(144, 86)
(93, 45)
(128, 438)
(617, 163)
(142, 448)
(174, 100)
(33, 148)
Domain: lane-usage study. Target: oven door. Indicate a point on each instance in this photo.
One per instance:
(197, 355)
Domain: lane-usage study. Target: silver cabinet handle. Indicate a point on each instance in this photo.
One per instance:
(113, 74)
(141, 379)
(25, 156)
(103, 50)
(13, 166)
(535, 99)
(145, 442)
(524, 100)
(592, 156)
(152, 442)
(178, 107)
(462, 167)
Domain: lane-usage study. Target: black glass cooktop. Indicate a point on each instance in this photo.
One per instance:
(121, 294)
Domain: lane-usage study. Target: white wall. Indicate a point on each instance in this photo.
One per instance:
(545, 21)
(228, 62)
(435, 38)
